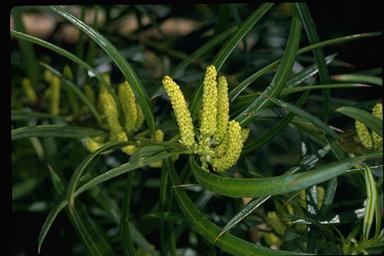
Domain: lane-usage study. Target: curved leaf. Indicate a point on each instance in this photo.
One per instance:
(203, 49)
(229, 46)
(313, 37)
(89, 233)
(244, 84)
(268, 136)
(209, 230)
(372, 122)
(261, 187)
(28, 115)
(320, 86)
(243, 30)
(53, 130)
(281, 76)
(360, 78)
(119, 60)
(62, 202)
(72, 185)
(66, 54)
(308, 72)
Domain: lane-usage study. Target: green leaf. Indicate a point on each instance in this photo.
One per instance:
(281, 76)
(313, 37)
(371, 203)
(76, 90)
(89, 233)
(228, 47)
(53, 130)
(203, 49)
(268, 186)
(122, 169)
(209, 230)
(82, 167)
(61, 204)
(372, 122)
(125, 233)
(308, 72)
(242, 214)
(119, 60)
(59, 187)
(243, 30)
(268, 136)
(66, 54)
(244, 84)
(249, 98)
(304, 114)
(58, 207)
(320, 86)
(31, 115)
(358, 78)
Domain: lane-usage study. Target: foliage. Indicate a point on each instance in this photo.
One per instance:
(281, 168)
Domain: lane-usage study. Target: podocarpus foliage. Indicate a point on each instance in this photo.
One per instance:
(201, 144)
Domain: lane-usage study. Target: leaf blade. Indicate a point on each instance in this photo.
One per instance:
(313, 37)
(228, 48)
(372, 122)
(235, 92)
(119, 60)
(260, 187)
(52, 130)
(278, 81)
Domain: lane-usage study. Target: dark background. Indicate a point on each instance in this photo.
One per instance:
(337, 19)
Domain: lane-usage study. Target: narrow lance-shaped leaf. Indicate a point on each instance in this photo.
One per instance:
(370, 203)
(318, 53)
(228, 47)
(235, 92)
(53, 130)
(281, 76)
(308, 72)
(119, 60)
(209, 230)
(359, 78)
(66, 54)
(304, 114)
(126, 235)
(260, 187)
(202, 50)
(372, 122)
(82, 167)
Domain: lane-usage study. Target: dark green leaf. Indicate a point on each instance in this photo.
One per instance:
(279, 80)
(358, 78)
(52, 130)
(126, 234)
(243, 85)
(261, 187)
(372, 122)
(313, 37)
(228, 47)
(119, 60)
